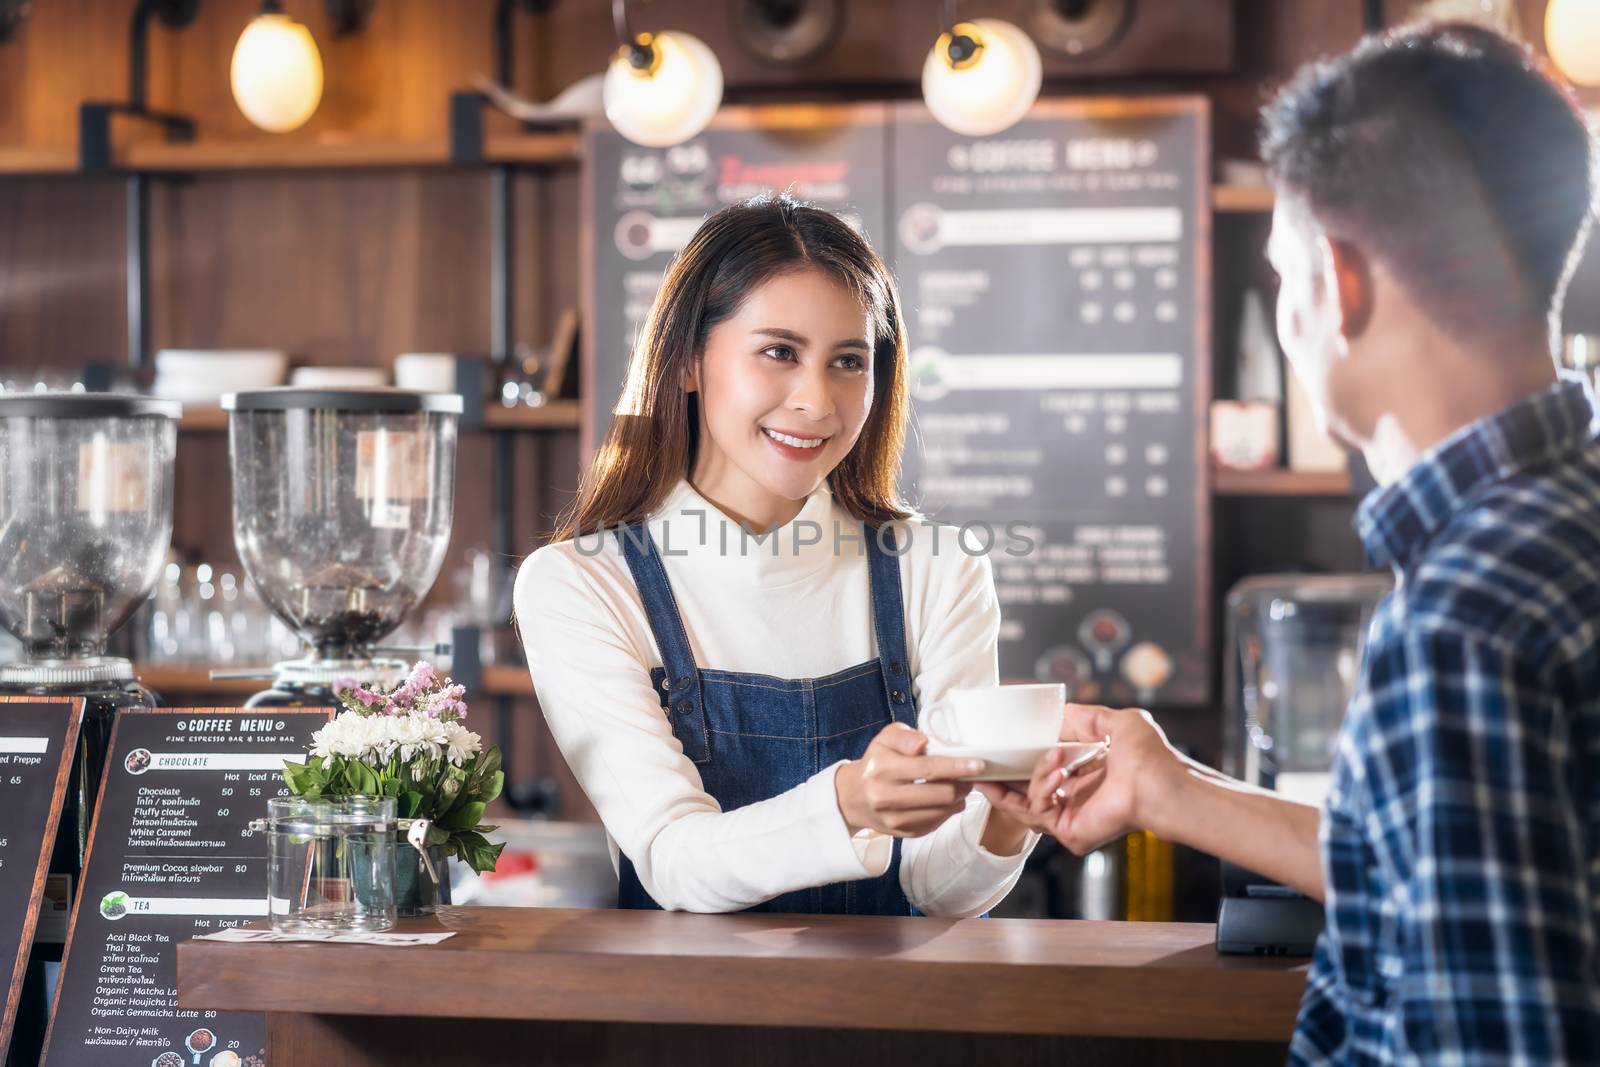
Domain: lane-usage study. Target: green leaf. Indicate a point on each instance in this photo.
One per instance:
(490, 790)
(360, 778)
(408, 804)
(465, 817)
(437, 835)
(485, 857)
(489, 761)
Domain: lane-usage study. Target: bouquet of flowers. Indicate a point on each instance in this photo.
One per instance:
(410, 744)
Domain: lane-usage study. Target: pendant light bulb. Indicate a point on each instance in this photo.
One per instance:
(1572, 38)
(981, 77)
(276, 72)
(662, 89)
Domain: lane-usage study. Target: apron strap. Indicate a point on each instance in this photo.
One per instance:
(889, 622)
(680, 689)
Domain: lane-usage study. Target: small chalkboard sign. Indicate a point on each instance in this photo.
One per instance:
(171, 855)
(37, 738)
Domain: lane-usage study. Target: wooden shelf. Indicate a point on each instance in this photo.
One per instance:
(202, 420)
(1278, 482)
(548, 148)
(502, 680)
(24, 159)
(194, 679)
(544, 148)
(275, 155)
(506, 680)
(1241, 198)
(556, 415)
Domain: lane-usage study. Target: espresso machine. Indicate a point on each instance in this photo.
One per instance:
(342, 506)
(1292, 660)
(85, 521)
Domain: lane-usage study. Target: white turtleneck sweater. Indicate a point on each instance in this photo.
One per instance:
(802, 611)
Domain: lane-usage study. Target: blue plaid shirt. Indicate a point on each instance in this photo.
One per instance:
(1461, 835)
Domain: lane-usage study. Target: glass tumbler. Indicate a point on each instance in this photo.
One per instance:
(332, 864)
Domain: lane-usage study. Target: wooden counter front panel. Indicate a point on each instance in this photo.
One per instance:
(984, 976)
(345, 1041)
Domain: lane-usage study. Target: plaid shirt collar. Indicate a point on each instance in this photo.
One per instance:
(1398, 520)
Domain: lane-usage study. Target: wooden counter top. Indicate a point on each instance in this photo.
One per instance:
(995, 976)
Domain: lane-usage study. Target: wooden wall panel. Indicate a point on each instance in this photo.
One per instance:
(61, 276)
(334, 267)
(389, 81)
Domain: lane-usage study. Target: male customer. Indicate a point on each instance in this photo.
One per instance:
(1433, 190)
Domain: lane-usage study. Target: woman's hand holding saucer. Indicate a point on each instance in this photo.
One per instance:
(896, 789)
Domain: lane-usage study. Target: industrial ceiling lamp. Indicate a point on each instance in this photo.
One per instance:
(981, 76)
(94, 116)
(661, 89)
(12, 12)
(276, 73)
(1572, 38)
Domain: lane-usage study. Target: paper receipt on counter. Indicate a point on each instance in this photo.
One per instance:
(350, 938)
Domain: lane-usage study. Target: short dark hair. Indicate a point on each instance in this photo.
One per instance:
(1453, 155)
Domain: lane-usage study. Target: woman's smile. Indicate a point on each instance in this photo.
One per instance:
(797, 446)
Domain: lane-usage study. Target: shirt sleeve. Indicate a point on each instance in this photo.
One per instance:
(1474, 810)
(595, 691)
(949, 873)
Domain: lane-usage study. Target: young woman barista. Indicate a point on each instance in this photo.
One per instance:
(736, 622)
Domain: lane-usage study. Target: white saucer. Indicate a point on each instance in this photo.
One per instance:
(1015, 764)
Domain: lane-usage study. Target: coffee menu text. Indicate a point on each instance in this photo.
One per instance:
(172, 855)
(36, 744)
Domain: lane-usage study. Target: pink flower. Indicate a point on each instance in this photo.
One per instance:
(343, 685)
(368, 698)
(422, 677)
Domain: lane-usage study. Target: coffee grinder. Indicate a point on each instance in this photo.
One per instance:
(85, 521)
(342, 505)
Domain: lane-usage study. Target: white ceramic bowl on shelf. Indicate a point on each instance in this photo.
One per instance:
(339, 377)
(203, 375)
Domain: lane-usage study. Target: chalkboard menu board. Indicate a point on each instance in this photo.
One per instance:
(1055, 284)
(37, 738)
(1057, 281)
(641, 205)
(171, 855)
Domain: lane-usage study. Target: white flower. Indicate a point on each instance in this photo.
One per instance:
(345, 736)
(461, 743)
(380, 738)
(417, 734)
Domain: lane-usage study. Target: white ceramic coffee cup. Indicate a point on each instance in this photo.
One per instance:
(1002, 716)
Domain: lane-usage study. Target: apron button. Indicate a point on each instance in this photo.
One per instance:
(898, 697)
(681, 684)
(666, 684)
(894, 668)
(686, 707)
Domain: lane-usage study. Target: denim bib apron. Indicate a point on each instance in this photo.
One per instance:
(753, 736)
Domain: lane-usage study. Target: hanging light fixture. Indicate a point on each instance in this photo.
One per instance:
(981, 76)
(661, 89)
(276, 72)
(12, 12)
(1572, 37)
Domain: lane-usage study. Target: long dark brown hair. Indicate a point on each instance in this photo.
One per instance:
(654, 435)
